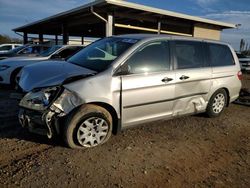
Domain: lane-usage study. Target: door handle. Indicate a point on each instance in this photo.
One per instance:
(183, 77)
(166, 79)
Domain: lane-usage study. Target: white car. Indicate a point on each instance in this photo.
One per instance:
(9, 68)
(244, 62)
(8, 47)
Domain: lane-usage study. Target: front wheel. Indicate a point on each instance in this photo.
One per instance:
(217, 103)
(88, 127)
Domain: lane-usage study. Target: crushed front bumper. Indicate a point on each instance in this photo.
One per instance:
(43, 123)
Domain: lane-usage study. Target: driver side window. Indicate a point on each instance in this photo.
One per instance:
(154, 57)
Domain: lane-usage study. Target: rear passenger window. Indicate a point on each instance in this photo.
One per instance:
(153, 57)
(189, 54)
(220, 55)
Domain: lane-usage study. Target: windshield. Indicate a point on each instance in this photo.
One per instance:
(99, 55)
(49, 51)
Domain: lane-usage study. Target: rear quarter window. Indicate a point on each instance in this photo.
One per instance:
(220, 55)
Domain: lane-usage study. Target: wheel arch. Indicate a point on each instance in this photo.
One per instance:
(14, 74)
(113, 113)
(227, 92)
(228, 95)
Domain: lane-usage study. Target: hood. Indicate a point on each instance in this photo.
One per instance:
(13, 54)
(14, 60)
(49, 73)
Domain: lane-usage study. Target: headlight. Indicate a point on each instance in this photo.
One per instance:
(39, 100)
(4, 67)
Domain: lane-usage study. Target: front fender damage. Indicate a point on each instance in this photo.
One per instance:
(61, 107)
(66, 102)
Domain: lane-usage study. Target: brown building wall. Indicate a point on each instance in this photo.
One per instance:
(206, 31)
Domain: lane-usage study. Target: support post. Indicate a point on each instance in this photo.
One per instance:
(82, 40)
(159, 27)
(109, 25)
(56, 39)
(65, 34)
(25, 38)
(40, 38)
(65, 38)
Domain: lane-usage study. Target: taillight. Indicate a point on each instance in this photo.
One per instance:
(239, 75)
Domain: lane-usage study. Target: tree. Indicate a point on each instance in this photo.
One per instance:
(7, 39)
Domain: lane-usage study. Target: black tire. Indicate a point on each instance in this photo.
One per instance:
(211, 110)
(77, 119)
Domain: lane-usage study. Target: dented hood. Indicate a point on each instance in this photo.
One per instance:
(50, 73)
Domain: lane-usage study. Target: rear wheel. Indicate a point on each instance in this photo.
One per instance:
(217, 103)
(88, 127)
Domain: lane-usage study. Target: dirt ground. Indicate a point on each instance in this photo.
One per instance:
(191, 151)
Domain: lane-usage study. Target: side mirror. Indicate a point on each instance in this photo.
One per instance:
(122, 70)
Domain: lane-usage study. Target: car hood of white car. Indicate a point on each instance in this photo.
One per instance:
(14, 60)
(50, 73)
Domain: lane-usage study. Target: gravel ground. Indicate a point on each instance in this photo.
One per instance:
(192, 151)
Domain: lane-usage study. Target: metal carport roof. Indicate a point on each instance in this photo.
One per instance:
(127, 16)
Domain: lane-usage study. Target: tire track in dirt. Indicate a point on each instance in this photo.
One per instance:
(21, 164)
(22, 155)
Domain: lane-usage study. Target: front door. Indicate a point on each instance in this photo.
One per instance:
(148, 88)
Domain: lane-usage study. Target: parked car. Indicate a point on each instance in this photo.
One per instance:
(9, 68)
(121, 81)
(244, 62)
(26, 50)
(8, 47)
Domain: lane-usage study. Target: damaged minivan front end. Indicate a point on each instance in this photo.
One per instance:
(60, 95)
(41, 109)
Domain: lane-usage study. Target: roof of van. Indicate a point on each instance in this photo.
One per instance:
(157, 36)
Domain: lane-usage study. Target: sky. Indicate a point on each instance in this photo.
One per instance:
(15, 13)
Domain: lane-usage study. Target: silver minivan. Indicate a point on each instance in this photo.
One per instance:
(122, 81)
